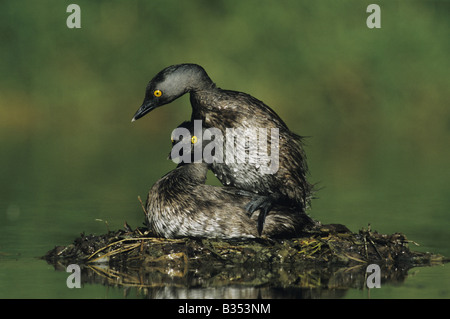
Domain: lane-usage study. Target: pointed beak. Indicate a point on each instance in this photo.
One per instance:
(145, 108)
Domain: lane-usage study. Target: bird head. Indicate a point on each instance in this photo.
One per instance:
(171, 83)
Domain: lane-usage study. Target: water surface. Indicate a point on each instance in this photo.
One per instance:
(373, 103)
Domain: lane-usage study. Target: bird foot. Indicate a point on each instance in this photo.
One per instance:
(262, 203)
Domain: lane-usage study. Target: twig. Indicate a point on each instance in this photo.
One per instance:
(375, 247)
(143, 207)
(116, 242)
(117, 251)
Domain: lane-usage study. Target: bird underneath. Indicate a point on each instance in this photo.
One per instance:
(180, 204)
(222, 109)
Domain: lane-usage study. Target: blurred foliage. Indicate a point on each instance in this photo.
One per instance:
(374, 101)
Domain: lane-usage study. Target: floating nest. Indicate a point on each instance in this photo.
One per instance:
(329, 257)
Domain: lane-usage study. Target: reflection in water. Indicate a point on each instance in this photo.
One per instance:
(235, 282)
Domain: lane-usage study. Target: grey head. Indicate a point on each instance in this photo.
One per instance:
(193, 143)
(171, 83)
(185, 144)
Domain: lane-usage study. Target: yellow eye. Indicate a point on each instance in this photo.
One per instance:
(157, 93)
(194, 139)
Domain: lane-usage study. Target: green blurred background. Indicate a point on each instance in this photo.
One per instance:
(374, 103)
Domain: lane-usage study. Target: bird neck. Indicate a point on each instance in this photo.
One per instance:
(203, 102)
(193, 172)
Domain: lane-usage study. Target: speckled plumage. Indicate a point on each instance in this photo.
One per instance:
(223, 109)
(181, 205)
